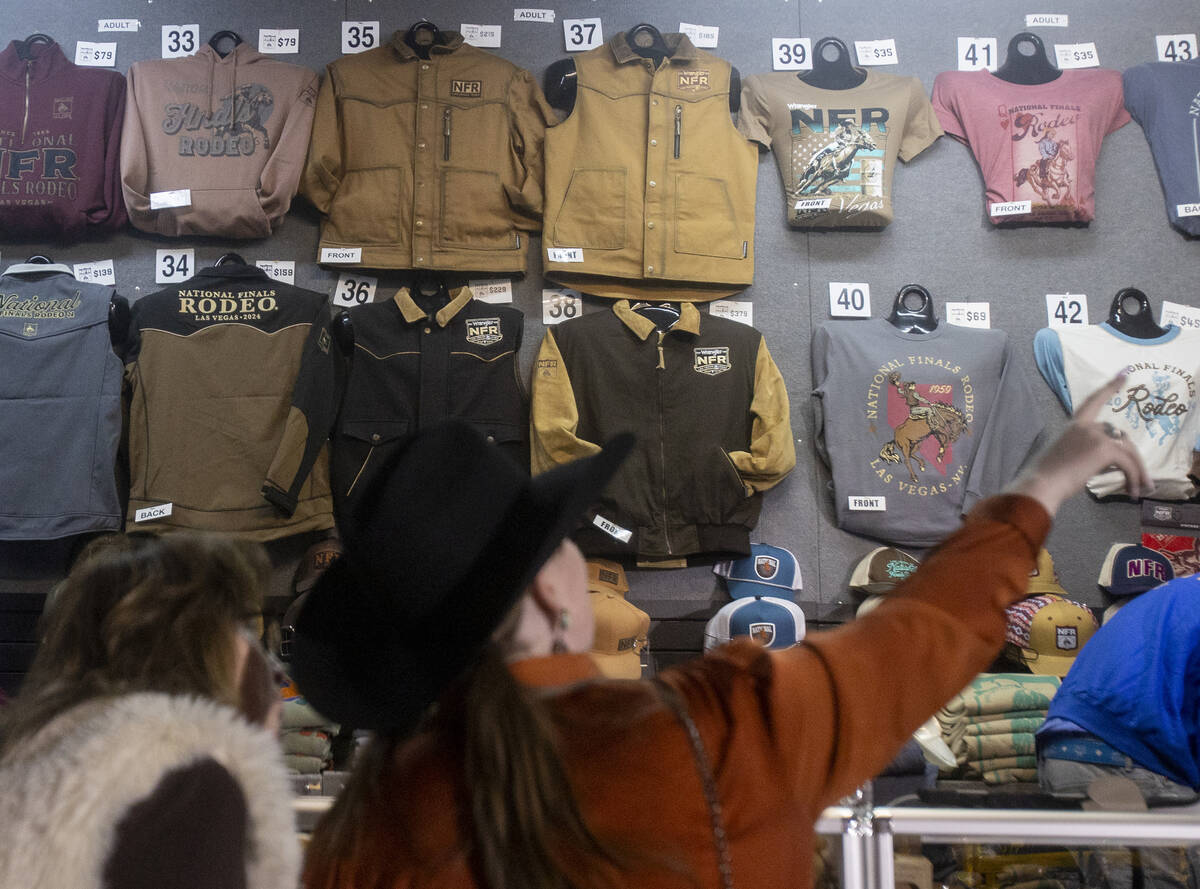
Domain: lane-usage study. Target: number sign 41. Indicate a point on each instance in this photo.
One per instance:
(849, 299)
(354, 290)
(791, 54)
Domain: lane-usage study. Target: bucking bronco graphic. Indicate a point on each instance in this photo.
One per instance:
(937, 419)
(833, 163)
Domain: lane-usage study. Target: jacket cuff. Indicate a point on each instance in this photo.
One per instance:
(1024, 513)
(279, 499)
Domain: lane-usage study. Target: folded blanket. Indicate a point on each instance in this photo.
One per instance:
(979, 747)
(1010, 776)
(306, 742)
(1001, 693)
(975, 768)
(298, 714)
(954, 730)
(305, 765)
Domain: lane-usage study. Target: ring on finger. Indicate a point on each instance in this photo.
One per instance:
(1112, 431)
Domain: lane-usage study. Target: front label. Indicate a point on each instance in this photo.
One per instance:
(711, 360)
(564, 254)
(484, 331)
(1011, 208)
(812, 204)
(341, 254)
(612, 529)
(150, 513)
(868, 504)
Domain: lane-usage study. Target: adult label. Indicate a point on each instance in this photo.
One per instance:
(278, 40)
(1010, 208)
(791, 54)
(1076, 55)
(849, 299)
(969, 314)
(612, 529)
(1187, 317)
(118, 25)
(976, 53)
(702, 36)
(1065, 309)
(279, 269)
(354, 290)
(1175, 47)
(150, 513)
(812, 204)
(876, 52)
(180, 40)
(867, 504)
(581, 34)
(341, 254)
(172, 266)
(533, 15)
(359, 36)
(95, 55)
(481, 35)
(1045, 20)
(564, 254)
(560, 304)
(1187, 209)
(98, 272)
(490, 291)
(162, 200)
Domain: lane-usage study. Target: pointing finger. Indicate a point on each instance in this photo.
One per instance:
(1090, 408)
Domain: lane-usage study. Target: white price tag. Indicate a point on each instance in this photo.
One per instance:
(805, 204)
(118, 25)
(560, 304)
(702, 36)
(162, 200)
(969, 314)
(564, 254)
(481, 35)
(867, 504)
(1175, 47)
(876, 52)
(1187, 317)
(174, 265)
(341, 254)
(180, 40)
(1187, 209)
(791, 54)
(95, 55)
(150, 513)
(612, 529)
(278, 40)
(1076, 55)
(849, 299)
(280, 269)
(1011, 208)
(1045, 20)
(492, 291)
(533, 15)
(977, 54)
(734, 310)
(1065, 309)
(359, 36)
(581, 34)
(98, 272)
(354, 290)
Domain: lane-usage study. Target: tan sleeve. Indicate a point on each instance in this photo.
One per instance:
(754, 117)
(772, 453)
(281, 176)
(135, 168)
(553, 414)
(529, 115)
(921, 126)
(324, 168)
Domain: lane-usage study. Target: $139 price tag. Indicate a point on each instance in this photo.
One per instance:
(180, 40)
(560, 304)
(581, 34)
(359, 36)
(1065, 309)
(876, 52)
(99, 272)
(1176, 47)
(849, 299)
(791, 54)
(172, 266)
(354, 290)
(1076, 55)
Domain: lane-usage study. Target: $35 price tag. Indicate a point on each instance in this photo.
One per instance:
(560, 304)
(1065, 309)
(354, 290)
(172, 266)
(791, 54)
(876, 52)
(1076, 55)
(581, 34)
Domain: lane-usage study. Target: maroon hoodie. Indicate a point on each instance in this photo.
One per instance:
(60, 132)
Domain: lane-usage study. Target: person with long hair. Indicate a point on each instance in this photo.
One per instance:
(140, 749)
(455, 626)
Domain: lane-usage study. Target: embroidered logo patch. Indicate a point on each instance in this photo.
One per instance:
(547, 367)
(484, 331)
(900, 569)
(29, 328)
(762, 633)
(766, 566)
(606, 576)
(627, 644)
(62, 108)
(711, 360)
(323, 341)
(1066, 638)
(693, 81)
(469, 88)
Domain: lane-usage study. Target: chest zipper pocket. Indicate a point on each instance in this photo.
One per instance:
(446, 135)
(678, 128)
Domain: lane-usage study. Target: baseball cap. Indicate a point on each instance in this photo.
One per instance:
(1132, 568)
(621, 635)
(766, 568)
(869, 604)
(313, 563)
(882, 569)
(606, 576)
(1043, 578)
(1047, 632)
(773, 623)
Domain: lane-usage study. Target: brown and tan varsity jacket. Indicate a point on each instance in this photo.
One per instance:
(649, 186)
(428, 163)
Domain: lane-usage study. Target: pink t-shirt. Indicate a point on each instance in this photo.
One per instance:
(1035, 143)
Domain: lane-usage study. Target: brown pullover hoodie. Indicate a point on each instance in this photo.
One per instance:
(233, 131)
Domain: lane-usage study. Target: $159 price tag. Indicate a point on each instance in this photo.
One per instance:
(279, 269)
(172, 266)
(560, 304)
(791, 54)
(1065, 309)
(354, 290)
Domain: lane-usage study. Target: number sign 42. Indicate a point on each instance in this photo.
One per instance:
(1065, 309)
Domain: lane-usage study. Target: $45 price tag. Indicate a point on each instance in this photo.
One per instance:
(791, 54)
(354, 290)
(560, 304)
(1065, 309)
(1187, 317)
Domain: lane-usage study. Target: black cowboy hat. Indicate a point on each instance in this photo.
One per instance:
(435, 556)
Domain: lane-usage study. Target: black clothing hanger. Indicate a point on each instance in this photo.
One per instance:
(663, 314)
(423, 35)
(647, 41)
(40, 258)
(837, 73)
(1131, 315)
(1029, 67)
(910, 318)
(118, 324)
(423, 284)
(224, 35)
(230, 257)
(25, 47)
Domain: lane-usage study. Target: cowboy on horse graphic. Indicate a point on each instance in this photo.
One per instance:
(939, 419)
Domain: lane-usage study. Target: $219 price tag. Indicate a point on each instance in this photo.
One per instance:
(560, 304)
(354, 290)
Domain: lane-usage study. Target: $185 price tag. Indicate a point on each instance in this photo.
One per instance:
(876, 52)
(354, 290)
(172, 266)
(560, 304)
(791, 54)
(1076, 55)
(1065, 309)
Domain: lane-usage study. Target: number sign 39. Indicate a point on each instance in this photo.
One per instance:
(791, 54)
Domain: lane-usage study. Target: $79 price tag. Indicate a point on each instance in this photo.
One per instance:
(560, 304)
(354, 290)
(95, 55)
(279, 40)
(791, 54)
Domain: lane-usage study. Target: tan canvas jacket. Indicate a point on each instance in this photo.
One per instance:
(428, 163)
(649, 186)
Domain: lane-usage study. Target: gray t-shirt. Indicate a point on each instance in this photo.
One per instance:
(1164, 97)
(917, 427)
